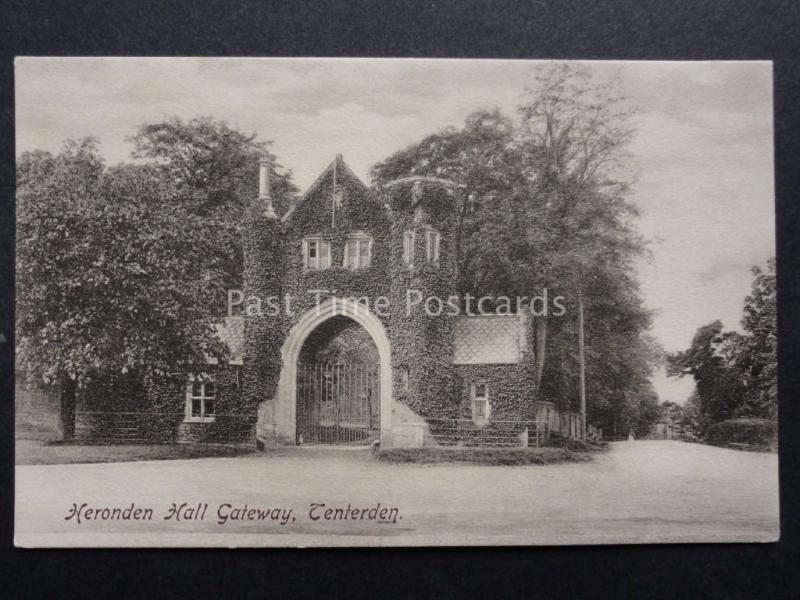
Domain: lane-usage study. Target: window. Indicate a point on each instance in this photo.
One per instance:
(432, 246)
(408, 248)
(316, 254)
(200, 397)
(404, 380)
(358, 251)
(480, 403)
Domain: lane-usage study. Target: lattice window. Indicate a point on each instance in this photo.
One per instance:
(200, 400)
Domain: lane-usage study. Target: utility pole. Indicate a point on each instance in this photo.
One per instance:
(582, 365)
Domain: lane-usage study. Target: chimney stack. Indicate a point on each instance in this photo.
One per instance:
(264, 187)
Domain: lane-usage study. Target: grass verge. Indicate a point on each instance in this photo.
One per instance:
(483, 456)
(29, 452)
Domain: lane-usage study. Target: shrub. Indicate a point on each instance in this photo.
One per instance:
(755, 432)
(481, 456)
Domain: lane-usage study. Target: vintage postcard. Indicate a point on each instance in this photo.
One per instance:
(368, 302)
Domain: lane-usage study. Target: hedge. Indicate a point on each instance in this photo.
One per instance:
(755, 432)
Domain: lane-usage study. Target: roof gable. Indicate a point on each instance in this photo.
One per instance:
(336, 174)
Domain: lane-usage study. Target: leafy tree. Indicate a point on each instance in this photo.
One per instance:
(757, 352)
(719, 388)
(542, 208)
(214, 169)
(115, 274)
(736, 373)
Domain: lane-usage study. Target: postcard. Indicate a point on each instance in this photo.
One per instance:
(309, 302)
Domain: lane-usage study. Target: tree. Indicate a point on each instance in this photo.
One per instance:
(757, 351)
(542, 208)
(214, 170)
(719, 388)
(736, 373)
(114, 274)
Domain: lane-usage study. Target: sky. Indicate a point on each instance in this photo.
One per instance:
(702, 155)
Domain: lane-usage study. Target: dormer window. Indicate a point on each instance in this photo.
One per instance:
(432, 239)
(316, 254)
(358, 251)
(408, 248)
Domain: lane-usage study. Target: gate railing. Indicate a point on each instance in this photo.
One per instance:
(338, 403)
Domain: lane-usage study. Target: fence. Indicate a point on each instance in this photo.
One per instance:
(496, 434)
(162, 427)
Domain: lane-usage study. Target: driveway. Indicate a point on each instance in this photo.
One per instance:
(638, 492)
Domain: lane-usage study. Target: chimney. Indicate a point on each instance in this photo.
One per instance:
(264, 188)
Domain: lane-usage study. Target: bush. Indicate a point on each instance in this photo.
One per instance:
(481, 456)
(755, 432)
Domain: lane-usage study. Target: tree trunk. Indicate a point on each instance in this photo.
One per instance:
(541, 339)
(67, 407)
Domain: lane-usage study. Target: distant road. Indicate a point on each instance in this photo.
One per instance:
(638, 492)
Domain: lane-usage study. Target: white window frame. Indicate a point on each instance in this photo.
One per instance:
(432, 241)
(477, 418)
(318, 262)
(359, 239)
(409, 243)
(190, 397)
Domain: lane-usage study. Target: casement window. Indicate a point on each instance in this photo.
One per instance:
(316, 254)
(358, 251)
(200, 397)
(408, 248)
(480, 403)
(432, 238)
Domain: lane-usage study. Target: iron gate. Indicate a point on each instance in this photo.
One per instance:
(338, 403)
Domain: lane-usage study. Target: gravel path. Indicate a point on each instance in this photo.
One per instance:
(638, 492)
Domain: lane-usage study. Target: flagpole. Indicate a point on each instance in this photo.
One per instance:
(582, 365)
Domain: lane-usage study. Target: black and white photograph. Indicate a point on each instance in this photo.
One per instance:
(361, 302)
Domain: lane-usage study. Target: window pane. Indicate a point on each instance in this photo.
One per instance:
(480, 408)
(324, 249)
(352, 251)
(209, 406)
(197, 406)
(209, 389)
(364, 252)
(197, 387)
(408, 247)
(480, 390)
(312, 249)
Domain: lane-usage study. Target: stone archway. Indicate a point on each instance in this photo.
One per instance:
(285, 409)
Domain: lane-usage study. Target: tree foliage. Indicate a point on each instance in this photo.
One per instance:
(736, 373)
(108, 275)
(214, 169)
(125, 269)
(543, 207)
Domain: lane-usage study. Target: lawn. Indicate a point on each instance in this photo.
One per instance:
(35, 452)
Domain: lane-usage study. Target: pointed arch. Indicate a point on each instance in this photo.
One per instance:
(285, 415)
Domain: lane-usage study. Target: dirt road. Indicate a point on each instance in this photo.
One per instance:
(638, 492)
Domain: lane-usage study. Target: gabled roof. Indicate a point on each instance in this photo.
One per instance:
(342, 171)
(489, 340)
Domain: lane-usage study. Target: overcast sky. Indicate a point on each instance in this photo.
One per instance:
(703, 147)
